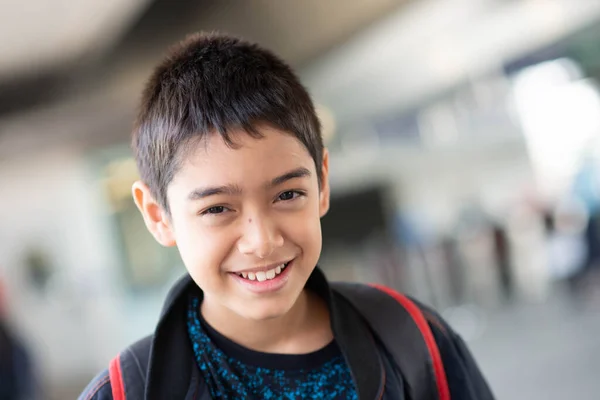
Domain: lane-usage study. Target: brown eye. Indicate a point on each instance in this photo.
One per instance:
(289, 195)
(215, 210)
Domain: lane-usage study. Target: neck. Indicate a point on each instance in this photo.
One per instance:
(303, 329)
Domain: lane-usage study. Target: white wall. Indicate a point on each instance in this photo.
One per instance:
(50, 200)
(439, 181)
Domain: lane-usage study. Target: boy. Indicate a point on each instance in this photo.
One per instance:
(234, 173)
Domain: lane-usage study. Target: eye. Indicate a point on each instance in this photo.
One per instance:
(289, 195)
(214, 210)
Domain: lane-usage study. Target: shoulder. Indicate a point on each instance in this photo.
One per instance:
(439, 327)
(464, 376)
(133, 360)
(381, 307)
(98, 389)
(444, 335)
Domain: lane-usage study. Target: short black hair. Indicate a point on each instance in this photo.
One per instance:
(212, 84)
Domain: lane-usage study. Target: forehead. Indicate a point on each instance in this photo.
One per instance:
(251, 159)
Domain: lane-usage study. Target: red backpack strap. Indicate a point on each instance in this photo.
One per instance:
(403, 331)
(128, 371)
(421, 322)
(116, 379)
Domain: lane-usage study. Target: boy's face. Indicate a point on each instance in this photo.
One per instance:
(246, 220)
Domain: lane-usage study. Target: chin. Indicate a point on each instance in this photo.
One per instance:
(265, 312)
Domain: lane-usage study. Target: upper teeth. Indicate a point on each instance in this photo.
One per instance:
(262, 276)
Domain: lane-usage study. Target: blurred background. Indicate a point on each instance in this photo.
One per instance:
(465, 142)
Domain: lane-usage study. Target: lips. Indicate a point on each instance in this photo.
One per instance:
(266, 279)
(263, 275)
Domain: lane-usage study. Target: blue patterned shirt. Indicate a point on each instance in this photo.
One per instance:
(235, 372)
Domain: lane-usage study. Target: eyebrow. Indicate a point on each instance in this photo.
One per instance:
(296, 173)
(201, 193)
(231, 190)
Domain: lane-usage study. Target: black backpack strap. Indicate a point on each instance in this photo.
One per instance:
(404, 332)
(128, 371)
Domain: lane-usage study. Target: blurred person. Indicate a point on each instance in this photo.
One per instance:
(477, 254)
(502, 256)
(592, 238)
(234, 173)
(582, 279)
(17, 380)
(566, 244)
(526, 231)
(456, 274)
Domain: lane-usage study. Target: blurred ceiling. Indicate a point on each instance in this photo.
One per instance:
(432, 47)
(44, 34)
(80, 84)
(57, 48)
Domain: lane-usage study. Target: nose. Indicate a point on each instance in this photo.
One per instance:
(260, 237)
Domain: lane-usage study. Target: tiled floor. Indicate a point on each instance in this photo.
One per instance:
(547, 351)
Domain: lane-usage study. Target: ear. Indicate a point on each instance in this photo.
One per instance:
(325, 192)
(157, 220)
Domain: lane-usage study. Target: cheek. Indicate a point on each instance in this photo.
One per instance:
(202, 249)
(305, 229)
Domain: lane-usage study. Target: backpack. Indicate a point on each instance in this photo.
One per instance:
(409, 341)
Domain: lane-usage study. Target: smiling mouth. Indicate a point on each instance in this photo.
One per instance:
(262, 276)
